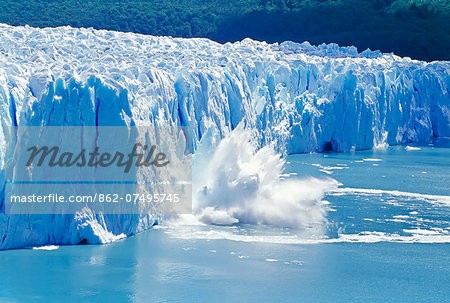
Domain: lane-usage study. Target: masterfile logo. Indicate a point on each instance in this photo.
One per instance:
(115, 170)
(52, 157)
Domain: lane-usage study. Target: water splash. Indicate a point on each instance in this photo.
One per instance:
(235, 182)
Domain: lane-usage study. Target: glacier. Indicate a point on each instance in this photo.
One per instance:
(296, 97)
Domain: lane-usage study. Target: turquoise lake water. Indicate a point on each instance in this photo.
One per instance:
(387, 239)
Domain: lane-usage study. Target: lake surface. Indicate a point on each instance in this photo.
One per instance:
(387, 238)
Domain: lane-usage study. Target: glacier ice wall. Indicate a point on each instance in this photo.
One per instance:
(303, 98)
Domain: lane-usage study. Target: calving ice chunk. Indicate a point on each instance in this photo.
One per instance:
(298, 97)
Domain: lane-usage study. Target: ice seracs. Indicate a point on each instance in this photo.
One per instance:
(301, 97)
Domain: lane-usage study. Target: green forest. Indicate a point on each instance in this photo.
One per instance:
(416, 28)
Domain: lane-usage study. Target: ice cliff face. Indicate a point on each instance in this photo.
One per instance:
(304, 98)
(307, 98)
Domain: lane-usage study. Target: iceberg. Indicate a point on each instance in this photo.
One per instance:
(295, 97)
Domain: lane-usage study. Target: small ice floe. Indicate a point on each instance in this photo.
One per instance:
(297, 262)
(419, 231)
(212, 251)
(271, 260)
(328, 172)
(372, 160)
(401, 217)
(242, 257)
(47, 247)
(328, 169)
(293, 262)
(410, 148)
(424, 172)
(396, 220)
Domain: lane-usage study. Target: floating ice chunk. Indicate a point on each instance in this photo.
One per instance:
(411, 148)
(419, 231)
(401, 217)
(211, 215)
(47, 247)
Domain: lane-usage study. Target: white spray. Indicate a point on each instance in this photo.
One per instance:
(234, 182)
